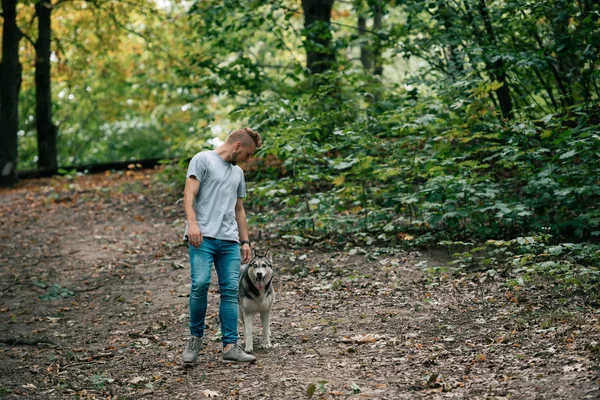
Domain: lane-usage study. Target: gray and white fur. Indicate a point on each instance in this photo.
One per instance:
(256, 295)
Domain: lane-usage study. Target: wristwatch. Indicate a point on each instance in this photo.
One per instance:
(243, 242)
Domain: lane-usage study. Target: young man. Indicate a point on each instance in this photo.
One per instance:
(215, 227)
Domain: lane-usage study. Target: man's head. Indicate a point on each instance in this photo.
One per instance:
(244, 143)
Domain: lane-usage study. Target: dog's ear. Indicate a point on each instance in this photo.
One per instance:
(268, 256)
(253, 253)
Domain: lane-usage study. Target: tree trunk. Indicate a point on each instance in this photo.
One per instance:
(10, 85)
(455, 65)
(320, 55)
(46, 130)
(565, 68)
(370, 49)
(497, 68)
(481, 39)
(559, 82)
(587, 74)
(365, 52)
(377, 23)
(548, 88)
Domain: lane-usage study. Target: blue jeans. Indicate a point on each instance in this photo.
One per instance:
(227, 259)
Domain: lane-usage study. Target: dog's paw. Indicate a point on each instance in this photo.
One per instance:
(267, 345)
(249, 349)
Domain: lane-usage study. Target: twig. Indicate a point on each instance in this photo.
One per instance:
(27, 342)
(76, 364)
(11, 285)
(102, 355)
(87, 290)
(94, 357)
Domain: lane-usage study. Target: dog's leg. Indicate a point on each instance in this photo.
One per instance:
(240, 312)
(265, 317)
(247, 322)
(241, 318)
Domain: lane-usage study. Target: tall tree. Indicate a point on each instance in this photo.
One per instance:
(377, 24)
(46, 130)
(447, 15)
(370, 49)
(366, 57)
(496, 68)
(320, 54)
(10, 85)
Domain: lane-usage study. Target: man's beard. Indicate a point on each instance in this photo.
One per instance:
(233, 160)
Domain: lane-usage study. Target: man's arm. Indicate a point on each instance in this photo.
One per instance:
(192, 186)
(240, 217)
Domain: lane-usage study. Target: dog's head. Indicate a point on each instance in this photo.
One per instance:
(260, 268)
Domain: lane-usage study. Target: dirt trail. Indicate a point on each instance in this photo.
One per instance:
(94, 267)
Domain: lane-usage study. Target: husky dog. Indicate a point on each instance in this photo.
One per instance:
(256, 295)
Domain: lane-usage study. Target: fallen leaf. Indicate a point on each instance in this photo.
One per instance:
(432, 380)
(137, 380)
(572, 368)
(355, 388)
(177, 265)
(366, 338)
(310, 390)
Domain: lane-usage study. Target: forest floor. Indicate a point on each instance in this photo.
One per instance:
(94, 285)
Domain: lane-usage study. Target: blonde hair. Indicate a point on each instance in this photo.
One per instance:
(244, 135)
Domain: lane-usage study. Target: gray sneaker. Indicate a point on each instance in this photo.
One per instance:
(190, 353)
(236, 354)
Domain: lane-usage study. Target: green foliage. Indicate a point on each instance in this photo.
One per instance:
(546, 50)
(68, 173)
(358, 159)
(115, 92)
(374, 170)
(100, 380)
(572, 265)
(482, 125)
(55, 291)
(320, 386)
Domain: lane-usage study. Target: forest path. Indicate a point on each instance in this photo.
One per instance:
(95, 265)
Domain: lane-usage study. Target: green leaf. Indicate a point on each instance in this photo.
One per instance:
(568, 154)
(547, 118)
(496, 85)
(55, 291)
(39, 283)
(345, 164)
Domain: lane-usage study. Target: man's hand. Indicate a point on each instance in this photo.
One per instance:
(246, 254)
(194, 235)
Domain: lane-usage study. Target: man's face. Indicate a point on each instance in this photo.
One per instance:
(242, 154)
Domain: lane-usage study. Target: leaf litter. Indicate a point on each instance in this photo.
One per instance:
(96, 264)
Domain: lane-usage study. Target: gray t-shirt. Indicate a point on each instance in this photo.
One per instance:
(221, 184)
